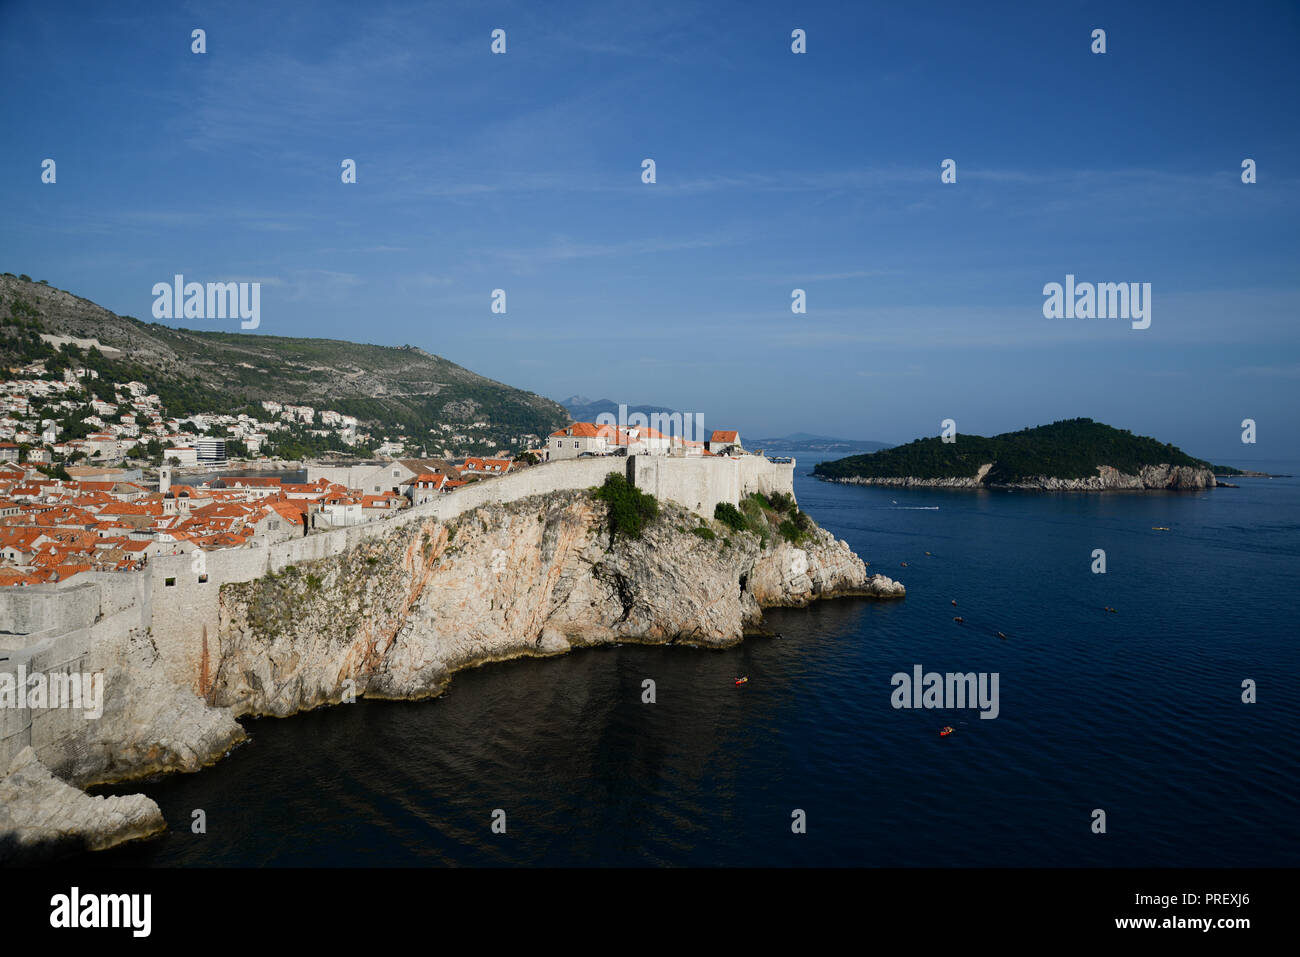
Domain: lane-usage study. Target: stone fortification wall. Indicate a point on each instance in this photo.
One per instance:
(173, 604)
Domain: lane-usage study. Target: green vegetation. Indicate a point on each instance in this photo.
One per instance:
(767, 516)
(289, 571)
(729, 515)
(21, 344)
(781, 502)
(391, 390)
(424, 391)
(151, 452)
(704, 532)
(296, 442)
(55, 471)
(761, 514)
(1071, 448)
(630, 509)
(753, 506)
(796, 528)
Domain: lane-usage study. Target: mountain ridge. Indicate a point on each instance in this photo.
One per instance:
(403, 388)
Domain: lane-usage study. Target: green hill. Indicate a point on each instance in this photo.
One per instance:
(1069, 449)
(390, 389)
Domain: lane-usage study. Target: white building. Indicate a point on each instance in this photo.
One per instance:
(578, 437)
(211, 451)
(185, 455)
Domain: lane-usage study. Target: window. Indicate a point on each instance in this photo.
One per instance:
(170, 582)
(396, 473)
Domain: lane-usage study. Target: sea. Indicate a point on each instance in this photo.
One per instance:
(1157, 734)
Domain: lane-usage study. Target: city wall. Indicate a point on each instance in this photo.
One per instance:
(176, 604)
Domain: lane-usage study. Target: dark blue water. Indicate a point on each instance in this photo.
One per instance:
(1138, 713)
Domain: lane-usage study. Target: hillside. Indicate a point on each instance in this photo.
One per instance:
(1066, 450)
(393, 389)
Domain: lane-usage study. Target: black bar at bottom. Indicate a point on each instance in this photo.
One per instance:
(351, 907)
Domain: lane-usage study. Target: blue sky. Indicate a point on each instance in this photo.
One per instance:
(775, 171)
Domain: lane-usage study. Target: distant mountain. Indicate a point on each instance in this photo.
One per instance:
(392, 389)
(1073, 453)
(582, 409)
(808, 442)
(810, 437)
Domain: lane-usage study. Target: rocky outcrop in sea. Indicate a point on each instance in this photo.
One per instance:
(43, 817)
(1176, 477)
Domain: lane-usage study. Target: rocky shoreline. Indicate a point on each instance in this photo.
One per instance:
(42, 817)
(1171, 477)
(397, 617)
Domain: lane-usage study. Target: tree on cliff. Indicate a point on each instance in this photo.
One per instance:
(630, 509)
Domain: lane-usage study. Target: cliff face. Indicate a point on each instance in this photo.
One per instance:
(149, 724)
(537, 577)
(1177, 477)
(395, 617)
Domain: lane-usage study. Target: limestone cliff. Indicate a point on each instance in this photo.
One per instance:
(42, 817)
(537, 577)
(396, 615)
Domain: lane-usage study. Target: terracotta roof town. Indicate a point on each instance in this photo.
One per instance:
(52, 529)
(106, 519)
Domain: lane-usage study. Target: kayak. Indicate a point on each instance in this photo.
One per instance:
(741, 681)
(945, 732)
